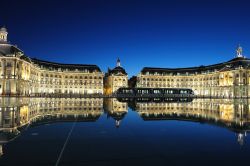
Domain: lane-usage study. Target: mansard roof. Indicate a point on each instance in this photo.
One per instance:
(231, 64)
(117, 70)
(53, 65)
(7, 49)
(26, 58)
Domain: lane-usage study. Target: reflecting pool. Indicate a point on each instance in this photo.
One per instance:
(110, 131)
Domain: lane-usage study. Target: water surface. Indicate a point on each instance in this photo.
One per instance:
(109, 132)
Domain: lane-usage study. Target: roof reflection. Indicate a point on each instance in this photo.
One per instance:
(115, 109)
(231, 114)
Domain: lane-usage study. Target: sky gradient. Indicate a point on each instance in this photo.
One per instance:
(152, 33)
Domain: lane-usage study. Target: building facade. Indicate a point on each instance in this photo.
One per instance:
(25, 76)
(21, 75)
(115, 79)
(228, 79)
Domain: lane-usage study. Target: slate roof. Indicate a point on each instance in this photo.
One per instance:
(117, 70)
(53, 65)
(231, 64)
(7, 49)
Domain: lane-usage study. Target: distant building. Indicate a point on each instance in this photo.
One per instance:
(226, 79)
(22, 75)
(115, 79)
(132, 82)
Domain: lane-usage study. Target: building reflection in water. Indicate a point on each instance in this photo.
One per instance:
(17, 114)
(115, 109)
(231, 114)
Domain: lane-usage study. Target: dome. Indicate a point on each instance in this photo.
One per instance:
(3, 29)
(118, 70)
(8, 49)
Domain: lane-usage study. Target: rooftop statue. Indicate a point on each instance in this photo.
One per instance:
(239, 51)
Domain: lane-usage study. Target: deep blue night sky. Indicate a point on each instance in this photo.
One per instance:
(176, 33)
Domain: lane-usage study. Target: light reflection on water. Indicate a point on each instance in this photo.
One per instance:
(121, 131)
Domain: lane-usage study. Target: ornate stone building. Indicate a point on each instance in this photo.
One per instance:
(227, 79)
(115, 79)
(21, 75)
